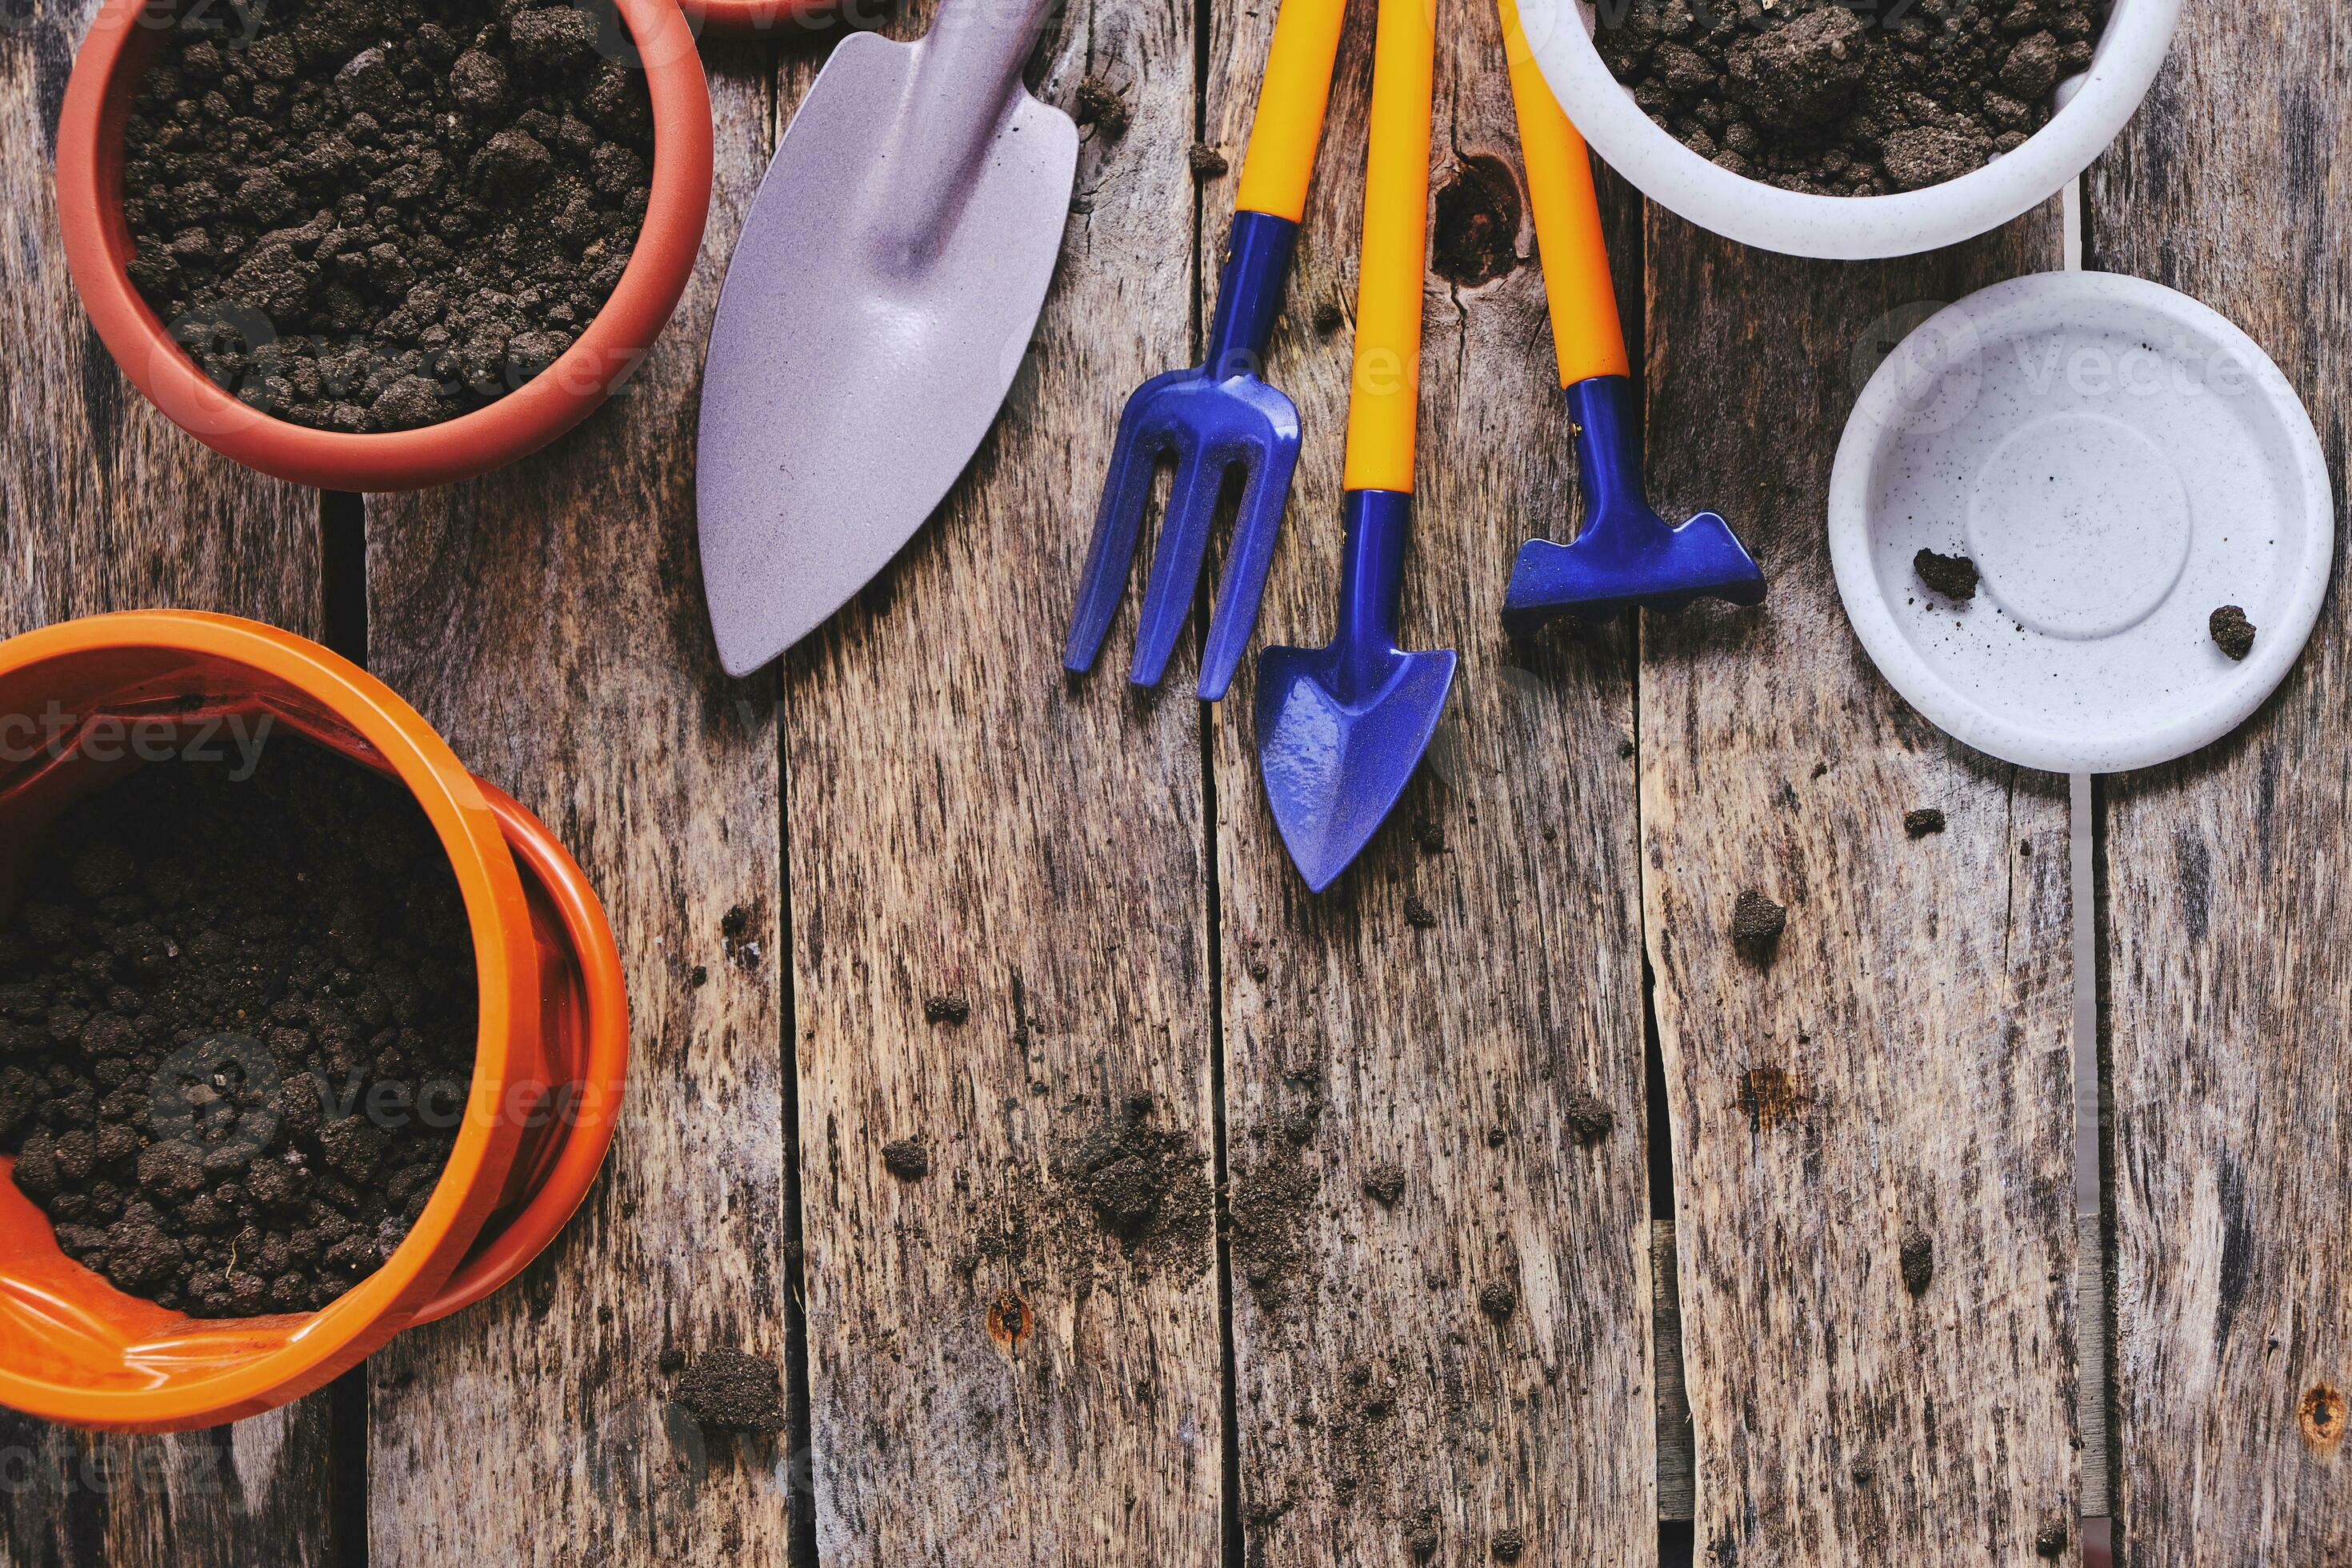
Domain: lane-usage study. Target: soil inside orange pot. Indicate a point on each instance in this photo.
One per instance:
(237, 1019)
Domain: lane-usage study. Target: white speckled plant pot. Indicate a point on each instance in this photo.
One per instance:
(2094, 108)
(2119, 462)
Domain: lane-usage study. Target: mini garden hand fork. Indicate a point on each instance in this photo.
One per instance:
(1625, 554)
(1340, 729)
(1221, 415)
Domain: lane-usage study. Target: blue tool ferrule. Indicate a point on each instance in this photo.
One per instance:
(1608, 451)
(1372, 583)
(1249, 293)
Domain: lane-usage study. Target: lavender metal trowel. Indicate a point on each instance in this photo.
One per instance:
(876, 310)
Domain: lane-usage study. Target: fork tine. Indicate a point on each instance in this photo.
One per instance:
(1135, 455)
(1176, 568)
(1256, 527)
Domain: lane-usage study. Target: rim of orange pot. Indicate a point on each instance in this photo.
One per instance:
(315, 1348)
(599, 1072)
(90, 156)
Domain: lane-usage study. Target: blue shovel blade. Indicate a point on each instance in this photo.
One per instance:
(1340, 729)
(1335, 768)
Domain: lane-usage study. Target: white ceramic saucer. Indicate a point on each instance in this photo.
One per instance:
(2118, 461)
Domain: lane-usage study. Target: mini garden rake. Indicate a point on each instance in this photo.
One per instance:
(1625, 554)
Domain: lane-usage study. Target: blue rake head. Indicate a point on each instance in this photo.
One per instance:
(1342, 729)
(1625, 554)
(1213, 421)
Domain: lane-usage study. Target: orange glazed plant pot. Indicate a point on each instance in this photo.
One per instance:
(123, 41)
(80, 705)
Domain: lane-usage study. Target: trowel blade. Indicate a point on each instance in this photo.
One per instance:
(1336, 763)
(858, 356)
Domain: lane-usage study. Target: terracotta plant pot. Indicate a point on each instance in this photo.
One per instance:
(121, 44)
(85, 703)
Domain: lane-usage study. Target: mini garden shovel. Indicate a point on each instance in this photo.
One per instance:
(1625, 554)
(1340, 729)
(875, 311)
(1219, 416)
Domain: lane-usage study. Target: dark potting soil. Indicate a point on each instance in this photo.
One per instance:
(1922, 821)
(1273, 1203)
(1916, 1258)
(731, 1391)
(1953, 576)
(1100, 105)
(1757, 921)
(375, 215)
(1842, 98)
(237, 1022)
(1144, 1183)
(1588, 1121)
(906, 1159)
(2232, 632)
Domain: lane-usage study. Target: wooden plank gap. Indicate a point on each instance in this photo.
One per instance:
(347, 1460)
(342, 572)
(1206, 271)
(1676, 1491)
(800, 1373)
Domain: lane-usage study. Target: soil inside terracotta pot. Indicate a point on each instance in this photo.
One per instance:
(237, 1023)
(1849, 98)
(375, 214)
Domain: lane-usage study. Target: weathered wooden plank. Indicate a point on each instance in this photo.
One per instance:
(549, 619)
(2230, 968)
(1446, 1015)
(1000, 946)
(1900, 1065)
(104, 506)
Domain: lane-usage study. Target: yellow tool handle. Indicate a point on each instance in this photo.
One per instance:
(1385, 400)
(1584, 322)
(1290, 103)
